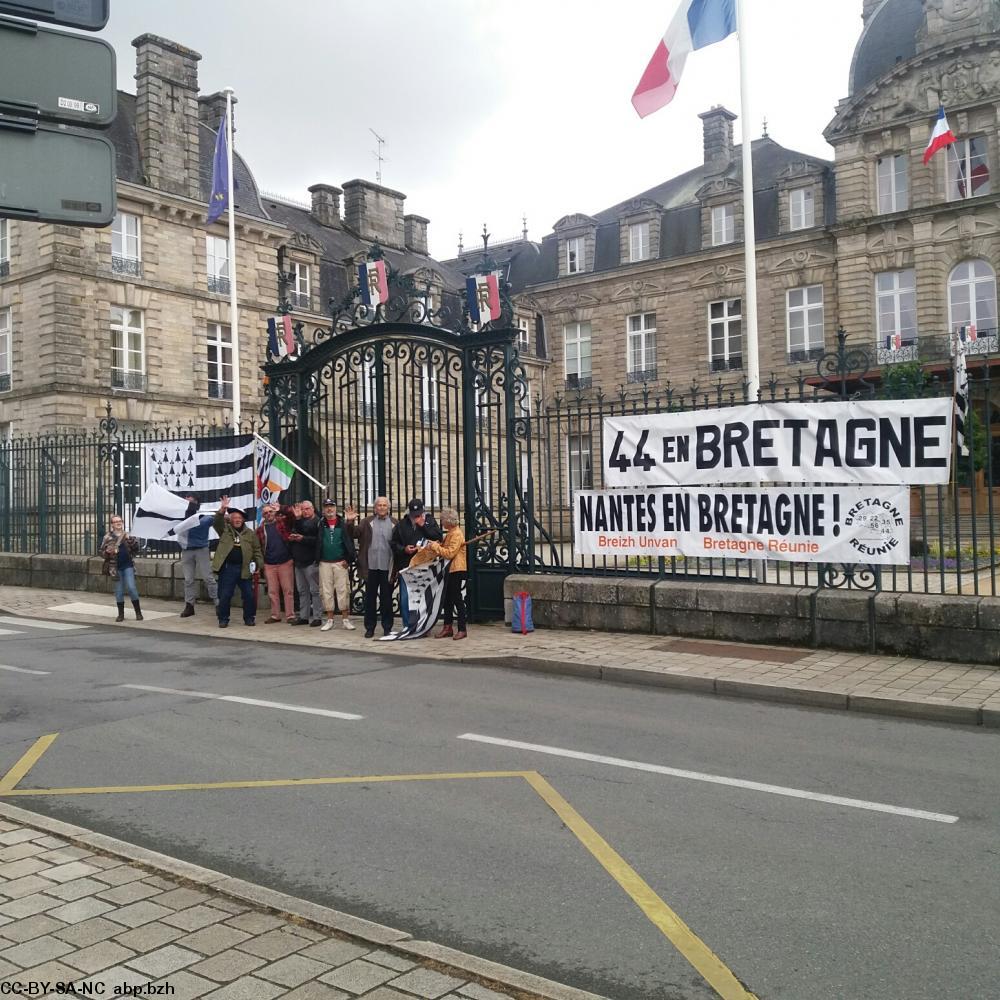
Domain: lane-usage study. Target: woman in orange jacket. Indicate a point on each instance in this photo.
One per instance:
(452, 547)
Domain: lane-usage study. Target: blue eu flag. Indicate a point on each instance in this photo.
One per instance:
(218, 200)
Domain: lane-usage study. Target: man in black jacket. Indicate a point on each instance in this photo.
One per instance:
(304, 529)
(415, 527)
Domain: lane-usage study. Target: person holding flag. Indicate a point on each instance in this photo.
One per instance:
(236, 561)
(196, 560)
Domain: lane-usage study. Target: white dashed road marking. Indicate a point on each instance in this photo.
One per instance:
(246, 701)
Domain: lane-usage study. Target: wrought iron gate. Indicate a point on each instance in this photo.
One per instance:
(407, 401)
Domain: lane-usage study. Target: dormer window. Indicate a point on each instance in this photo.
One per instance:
(574, 255)
(638, 241)
(801, 209)
(723, 224)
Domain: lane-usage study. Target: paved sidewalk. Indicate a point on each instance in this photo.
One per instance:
(926, 689)
(69, 914)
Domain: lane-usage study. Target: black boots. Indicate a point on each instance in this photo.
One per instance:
(138, 610)
(121, 612)
(188, 611)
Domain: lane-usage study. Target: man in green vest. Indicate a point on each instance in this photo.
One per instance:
(335, 554)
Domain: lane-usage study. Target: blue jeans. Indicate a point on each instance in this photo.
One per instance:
(230, 577)
(126, 580)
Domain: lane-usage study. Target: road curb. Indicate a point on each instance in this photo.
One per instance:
(525, 985)
(727, 687)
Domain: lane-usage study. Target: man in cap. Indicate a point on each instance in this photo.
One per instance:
(335, 553)
(196, 560)
(236, 560)
(410, 532)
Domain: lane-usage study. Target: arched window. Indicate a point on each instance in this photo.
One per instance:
(972, 296)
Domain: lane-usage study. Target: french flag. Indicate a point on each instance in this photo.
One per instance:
(482, 292)
(941, 136)
(893, 342)
(697, 24)
(280, 338)
(372, 283)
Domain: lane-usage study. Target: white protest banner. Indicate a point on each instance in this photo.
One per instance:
(798, 524)
(857, 442)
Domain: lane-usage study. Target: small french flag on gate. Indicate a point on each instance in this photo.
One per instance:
(372, 283)
(482, 293)
(893, 342)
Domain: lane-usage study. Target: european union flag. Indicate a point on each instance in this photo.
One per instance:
(218, 200)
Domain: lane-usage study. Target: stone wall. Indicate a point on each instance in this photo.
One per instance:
(941, 627)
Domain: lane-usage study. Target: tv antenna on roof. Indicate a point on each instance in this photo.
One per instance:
(378, 154)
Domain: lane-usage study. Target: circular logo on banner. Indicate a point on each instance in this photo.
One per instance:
(266, 495)
(876, 527)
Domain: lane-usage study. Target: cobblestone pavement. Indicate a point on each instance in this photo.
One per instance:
(930, 689)
(70, 915)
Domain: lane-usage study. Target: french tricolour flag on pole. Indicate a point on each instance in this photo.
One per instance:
(941, 136)
(280, 338)
(372, 283)
(482, 293)
(697, 24)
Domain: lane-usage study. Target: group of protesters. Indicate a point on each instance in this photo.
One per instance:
(306, 560)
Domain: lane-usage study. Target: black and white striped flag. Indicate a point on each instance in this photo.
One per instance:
(425, 595)
(961, 390)
(205, 468)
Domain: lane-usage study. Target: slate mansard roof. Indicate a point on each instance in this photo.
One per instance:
(890, 37)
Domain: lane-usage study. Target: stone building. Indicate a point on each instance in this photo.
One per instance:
(648, 294)
(139, 314)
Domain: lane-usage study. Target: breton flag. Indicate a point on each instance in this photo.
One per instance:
(205, 468)
(961, 389)
(941, 136)
(697, 24)
(158, 512)
(425, 594)
(482, 292)
(218, 200)
(280, 338)
(372, 283)
(274, 473)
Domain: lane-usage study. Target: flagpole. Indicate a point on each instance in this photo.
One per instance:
(749, 227)
(234, 320)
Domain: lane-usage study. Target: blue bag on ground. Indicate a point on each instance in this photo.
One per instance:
(521, 621)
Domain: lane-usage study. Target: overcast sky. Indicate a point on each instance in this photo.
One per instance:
(490, 110)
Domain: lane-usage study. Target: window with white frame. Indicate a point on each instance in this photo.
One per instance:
(574, 255)
(968, 169)
(128, 349)
(428, 392)
(126, 244)
(432, 480)
(805, 323)
(725, 334)
(576, 343)
(801, 209)
(580, 469)
(4, 248)
(893, 184)
(301, 289)
(6, 350)
(220, 361)
(217, 255)
(896, 307)
(370, 473)
(723, 224)
(483, 481)
(524, 335)
(640, 359)
(972, 297)
(638, 241)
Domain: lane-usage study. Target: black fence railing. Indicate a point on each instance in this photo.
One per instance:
(129, 381)
(126, 265)
(219, 284)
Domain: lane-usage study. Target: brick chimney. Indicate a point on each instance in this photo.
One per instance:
(717, 128)
(375, 213)
(212, 110)
(166, 114)
(326, 204)
(415, 227)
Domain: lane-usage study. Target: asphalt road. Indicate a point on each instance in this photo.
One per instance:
(802, 898)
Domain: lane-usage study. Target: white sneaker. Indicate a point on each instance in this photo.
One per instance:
(349, 625)
(327, 625)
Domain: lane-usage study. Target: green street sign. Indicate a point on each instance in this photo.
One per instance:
(90, 15)
(56, 174)
(56, 75)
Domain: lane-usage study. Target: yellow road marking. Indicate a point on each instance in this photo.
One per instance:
(9, 781)
(707, 963)
(265, 783)
(691, 947)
